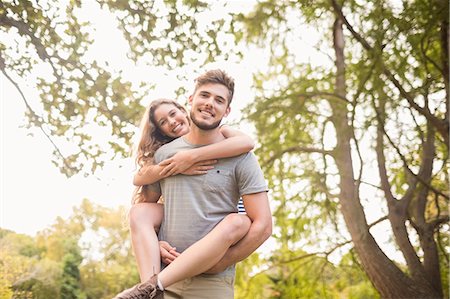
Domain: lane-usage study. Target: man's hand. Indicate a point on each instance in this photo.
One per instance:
(217, 268)
(167, 252)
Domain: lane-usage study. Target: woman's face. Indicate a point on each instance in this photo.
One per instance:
(172, 121)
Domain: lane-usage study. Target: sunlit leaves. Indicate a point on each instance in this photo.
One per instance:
(398, 70)
(83, 256)
(77, 94)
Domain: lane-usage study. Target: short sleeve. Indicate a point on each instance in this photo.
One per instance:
(155, 187)
(249, 175)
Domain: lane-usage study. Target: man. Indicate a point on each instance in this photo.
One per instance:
(194, 205)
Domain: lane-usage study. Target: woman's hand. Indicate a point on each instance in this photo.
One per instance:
(201, 167)
(174, 165)
(177, 163)
(167, 252)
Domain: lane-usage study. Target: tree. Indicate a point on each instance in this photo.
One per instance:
(83, 256)
(70, 284)
(388, 94)
(25, 274)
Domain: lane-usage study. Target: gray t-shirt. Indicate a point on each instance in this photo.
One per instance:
(194, 204)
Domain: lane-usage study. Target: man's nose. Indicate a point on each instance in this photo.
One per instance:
(209, 101)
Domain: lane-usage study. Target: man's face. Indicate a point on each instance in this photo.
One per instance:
(209, 105)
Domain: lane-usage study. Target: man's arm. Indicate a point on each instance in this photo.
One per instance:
(258, 210)
(151, 193)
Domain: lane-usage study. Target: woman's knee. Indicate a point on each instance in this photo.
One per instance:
(236, 225)
(144, 215)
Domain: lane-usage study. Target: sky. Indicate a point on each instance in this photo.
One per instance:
(33, 191)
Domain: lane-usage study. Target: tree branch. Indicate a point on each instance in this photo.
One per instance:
(405, 165)
(297, 149)
(441, 125)
(36, 119)
(24, 30)
(379, 148)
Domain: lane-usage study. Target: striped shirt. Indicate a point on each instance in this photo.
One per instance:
(240, 206)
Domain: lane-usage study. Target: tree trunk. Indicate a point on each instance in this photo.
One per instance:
(387, 278)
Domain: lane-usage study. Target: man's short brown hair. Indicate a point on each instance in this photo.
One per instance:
(216, 77)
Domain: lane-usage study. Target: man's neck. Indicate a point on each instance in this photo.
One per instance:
(198, 136)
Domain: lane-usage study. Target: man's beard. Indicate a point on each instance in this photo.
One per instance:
(203, 126)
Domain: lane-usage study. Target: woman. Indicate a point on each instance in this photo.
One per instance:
(163, 121)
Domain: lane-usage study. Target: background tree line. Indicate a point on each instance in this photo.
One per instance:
(88, 255)
(365, 133)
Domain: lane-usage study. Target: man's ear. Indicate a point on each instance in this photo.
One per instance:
(227, 111)
(191, 97)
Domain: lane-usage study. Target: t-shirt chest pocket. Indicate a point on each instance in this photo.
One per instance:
(218, 180)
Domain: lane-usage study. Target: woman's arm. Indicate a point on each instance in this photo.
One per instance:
(236, 143)
(148, 174)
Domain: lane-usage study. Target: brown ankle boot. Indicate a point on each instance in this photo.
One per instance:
(145, 290)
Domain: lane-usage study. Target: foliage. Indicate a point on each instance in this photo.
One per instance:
(26, 273)
(377, 104)
(307, 277)
(70, 284)
(68, 260)
(80, 93)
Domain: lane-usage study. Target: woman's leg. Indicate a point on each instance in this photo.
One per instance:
(145, 219)
(206, 252)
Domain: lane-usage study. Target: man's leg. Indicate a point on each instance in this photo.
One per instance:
(202, 287)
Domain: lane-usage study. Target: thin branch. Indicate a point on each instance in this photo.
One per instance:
(328, 252)
(23, 29)
(378, 221)
(302, 257)
(441, 124)
(381, 158)
(372, 185)
(405, 163)
(439, 221)
(297, 149)
(35, 118)
(332, 96)
(424, 52)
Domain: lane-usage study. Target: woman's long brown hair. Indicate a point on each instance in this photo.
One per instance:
(150, 141)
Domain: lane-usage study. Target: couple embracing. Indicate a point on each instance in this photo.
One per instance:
(187, 247)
